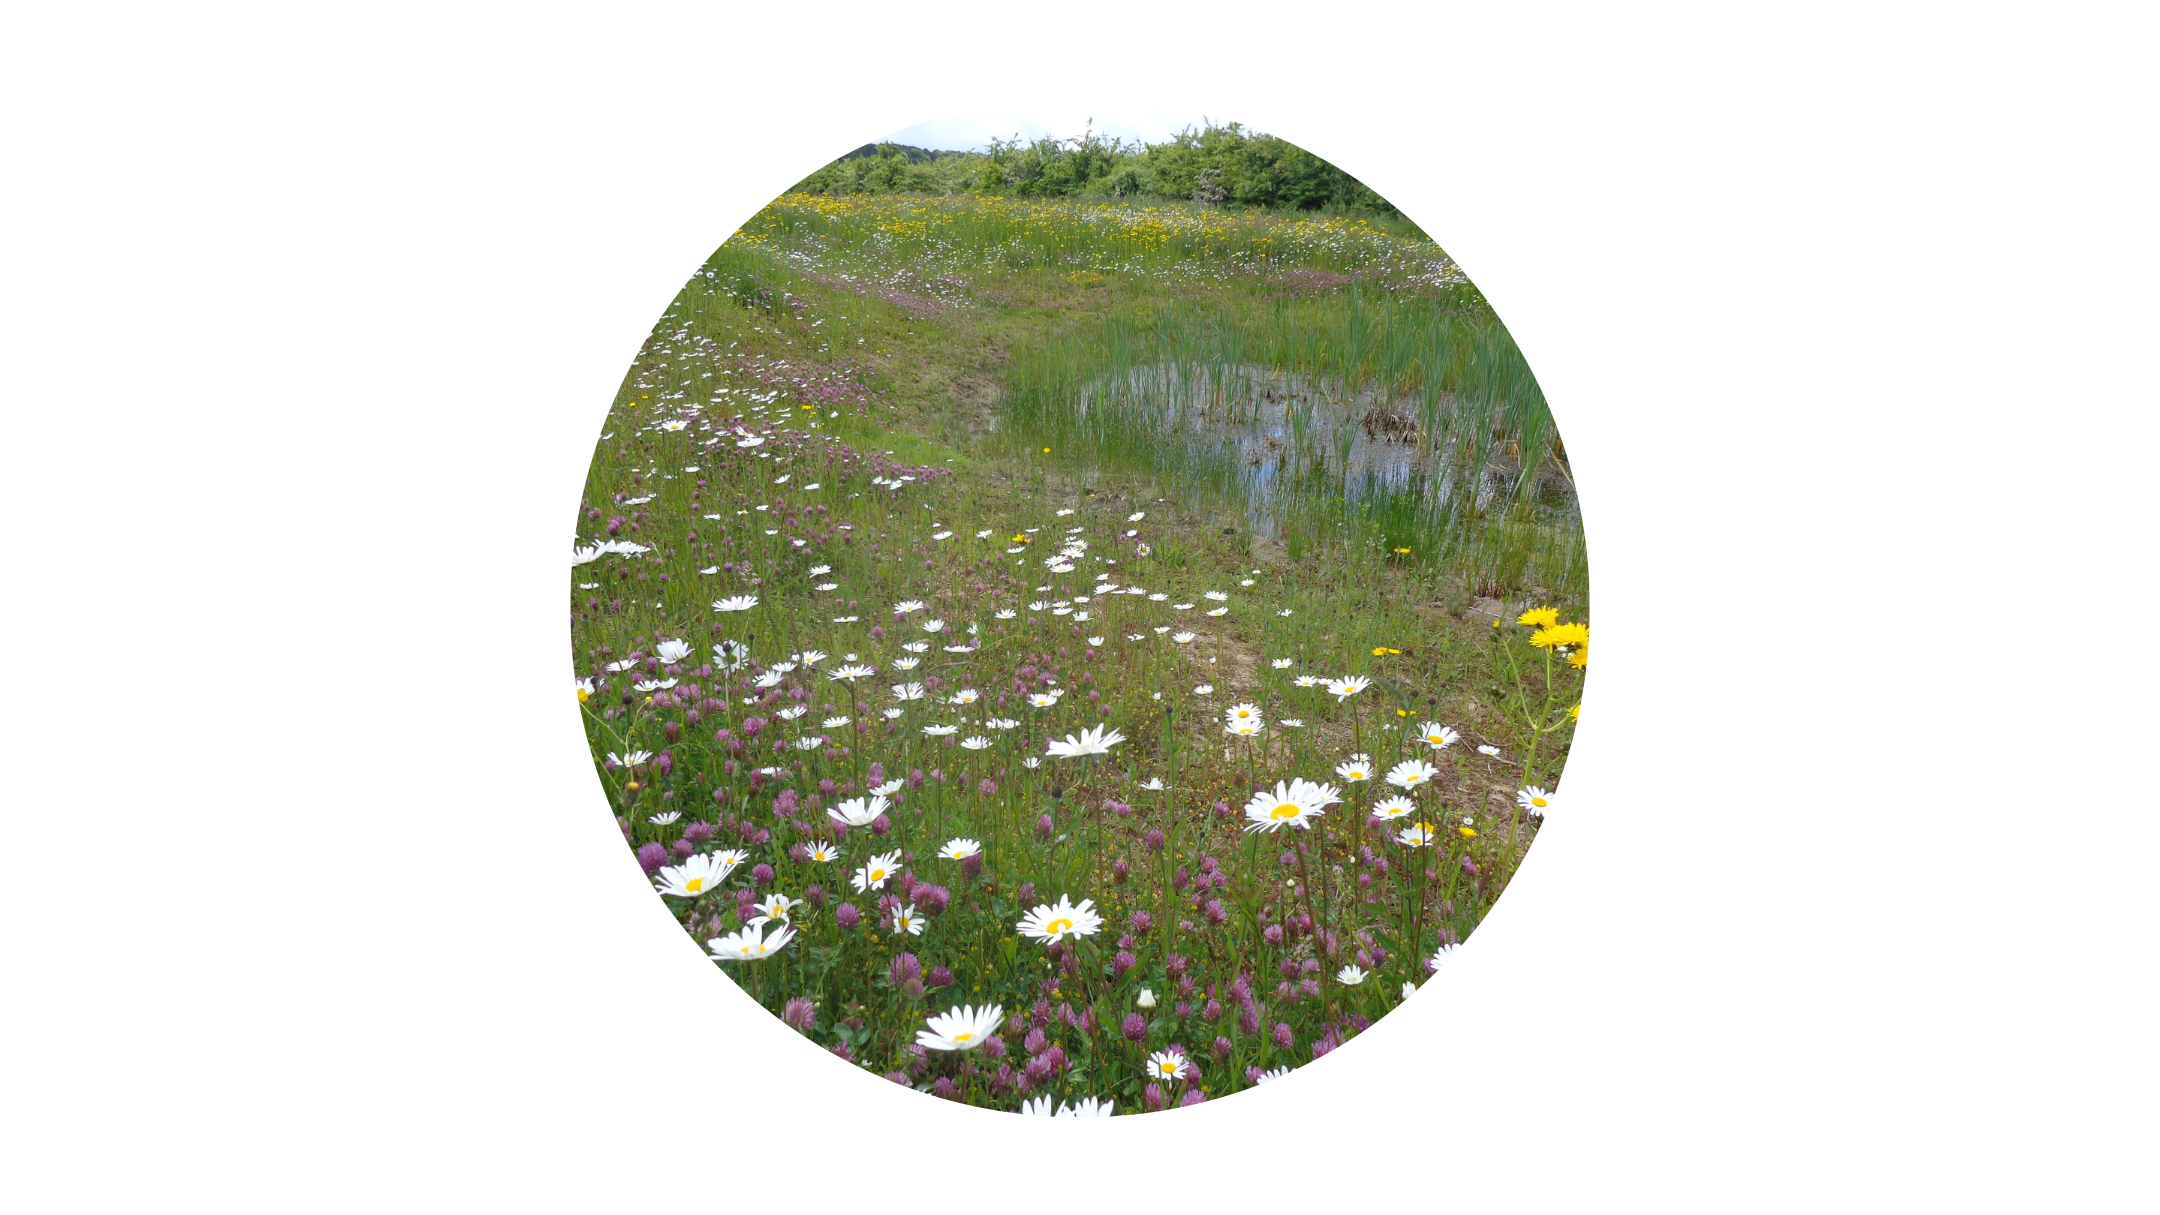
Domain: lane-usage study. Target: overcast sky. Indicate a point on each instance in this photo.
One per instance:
(972, 134)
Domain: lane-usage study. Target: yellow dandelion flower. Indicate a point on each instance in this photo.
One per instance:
(1580, 658)
(1381, 651)
(1539, 618)
(1466, 833)
(1400, 551)
(1575, 714)
(1546, 638)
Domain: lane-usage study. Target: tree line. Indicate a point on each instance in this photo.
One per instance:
(1214, 164)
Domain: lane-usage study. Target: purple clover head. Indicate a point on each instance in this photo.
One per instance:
(799, 1014)
(652, 856)
(1135, 1027)
(846, 916)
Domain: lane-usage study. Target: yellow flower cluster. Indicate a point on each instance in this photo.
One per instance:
(1551, 633)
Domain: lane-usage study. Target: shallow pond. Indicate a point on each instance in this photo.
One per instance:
(1285, 432)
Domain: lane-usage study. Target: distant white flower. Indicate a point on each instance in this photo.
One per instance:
(877, 872)
(1167, 1065)
(810, 742)
(1206, 689)
(905, 664)
(1408, 990)
(1295, 723)
(1217, 596)
(1350, 976)
(905, 606)
(1244, 582)
(965, 696)
(1292, 803)
(699, 875)
(1411, 773)
(1181, 638)
(984, 534)
(1284, 612)
(1436, 735)
(1097, 741)
(1534, 799)
(1391, 808)
(1416, 835)
(1001, 723)
(1486, 749)
(850, 672)
(960, 849)
(815, 570)
(631, 760)
(769, 679)
(1221, 611)
(751, 441)
(750, 944)
(893, 714)
(1307, 681)
(1136, 516)
(1044, 700)
(1347, 687)
(1064, 512)
(735, 603)
(826, 586)
(932, 626)
(585, 555)
(937, 731)
(1268, 1077)
(1032, 761)
(906, 921)
(1281, 664)
(1154, 783)
(1146, 998)
(1441, 956)
(1357, 767)
(888, 788)
(942, 536)
(1095, 641)
(1006, 614)
(975, 742)
(1157, 597)
(962, 1028)
(821, 852)
(1055, 921)
(907, 691)
(1180, 607)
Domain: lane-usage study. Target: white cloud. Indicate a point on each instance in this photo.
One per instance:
(1053, 117)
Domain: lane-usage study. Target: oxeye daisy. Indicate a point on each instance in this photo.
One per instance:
(1411, 773)
(1350, 976)
(940, 731)
(1417, 835)
(850, 673)
(960, 1028)
(750, 944)
(821, 852)
(960, 849)
(1393, 807)
(877, 872)
(1440, 956)
(1488, 749)
(1245, 729)
(1437, 736)
(894, 714)
(858, 812)
(1037, 1106)
(1270, 1076)
(672, 649)
(1295, 723)
(735, 603)
(1005, 614)
(834, 723)
(907, 691)
(888, 788)
(965, 696)
(700, 875)
(1088, 1107)
(1292, 803)
(1097, 741)
(905, 664)
(907, 922)
(777, 907)
(1534, 799)
(1306, 681)
(975, 742)
(1055, 921)
(1357, 767)
(916, 647)
(664, 818)
(1347, 687)
(1167, 1065)
(1281, 664)
(584, 690)
(905, 606)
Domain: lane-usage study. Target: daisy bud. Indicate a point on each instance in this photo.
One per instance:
(799, 1014)
(846, 916)
(651, 856)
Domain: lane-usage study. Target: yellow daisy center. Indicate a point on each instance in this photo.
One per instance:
(877, 875)
(1056, 926)
(1286, 810)
(1538, 802)
(694, 885)
(962, 1037)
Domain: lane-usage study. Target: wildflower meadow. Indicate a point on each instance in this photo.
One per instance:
(1082, 657)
